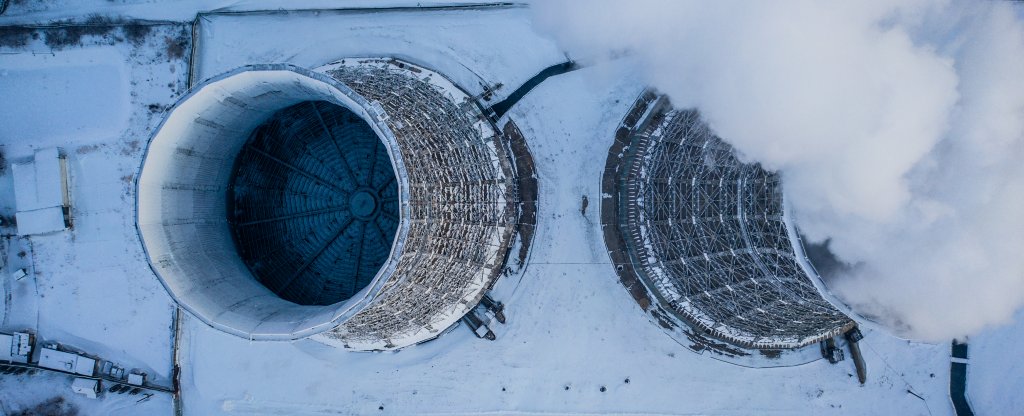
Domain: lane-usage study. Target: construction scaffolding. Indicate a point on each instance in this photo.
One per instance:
(462, 202)
(706, 234)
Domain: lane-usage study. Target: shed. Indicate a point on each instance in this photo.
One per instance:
(41, 193)
(16, 347)
(86, 387)
(136, 379)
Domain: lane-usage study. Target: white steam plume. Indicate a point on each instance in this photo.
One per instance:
(898, 128)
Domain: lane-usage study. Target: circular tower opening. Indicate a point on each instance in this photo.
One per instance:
(313, 203)
(268, 202)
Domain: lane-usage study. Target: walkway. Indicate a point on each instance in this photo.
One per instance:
(499, 109)
(958, 380)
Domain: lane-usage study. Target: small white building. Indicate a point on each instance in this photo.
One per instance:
(41, 193)
(87, 387)
(136, 379)
(16, 347)
(66, 361)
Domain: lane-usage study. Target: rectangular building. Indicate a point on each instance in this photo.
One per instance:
(41, 193)
(87, 387)
(16, 347)
(66, 361)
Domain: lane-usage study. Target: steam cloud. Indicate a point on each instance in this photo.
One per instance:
(898, 128)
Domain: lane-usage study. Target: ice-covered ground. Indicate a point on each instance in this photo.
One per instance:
(572, 328)
(37, 79)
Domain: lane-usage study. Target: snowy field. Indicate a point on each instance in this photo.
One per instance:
(90, 289)
(41, 394)
(572, 329)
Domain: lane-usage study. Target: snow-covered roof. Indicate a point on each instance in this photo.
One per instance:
(14, 347)
(40, 221)
(85, 386)
(135, 379)
(65, 361)
(37, 184)
(6, 347)
(40, 193)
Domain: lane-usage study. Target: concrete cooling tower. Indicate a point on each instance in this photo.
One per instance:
(706, 235)
(367, 203)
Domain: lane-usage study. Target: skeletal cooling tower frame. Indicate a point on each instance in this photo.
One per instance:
(457, 203)
(702, 235)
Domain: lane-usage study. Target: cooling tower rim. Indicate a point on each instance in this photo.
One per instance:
(424, 73)
(343, 310)
(816, 278)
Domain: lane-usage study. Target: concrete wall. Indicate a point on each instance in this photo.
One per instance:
(182, 200)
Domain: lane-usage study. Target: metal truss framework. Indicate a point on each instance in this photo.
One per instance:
(457, 202)
(461, 208)
(707, 235)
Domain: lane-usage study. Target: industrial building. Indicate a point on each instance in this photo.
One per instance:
(16, 347)
(55, 359)
(368, 203)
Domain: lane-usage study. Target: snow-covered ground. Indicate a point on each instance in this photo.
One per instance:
(89, 288)
(572, 328)
(45, 393)
(995, 370)
(470, 47)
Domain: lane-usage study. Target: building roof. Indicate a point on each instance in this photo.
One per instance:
(37, 184)
(85, 386)
(40, 221)
(14, 347)
(39, 193)
(65, 361)
(136, 379)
